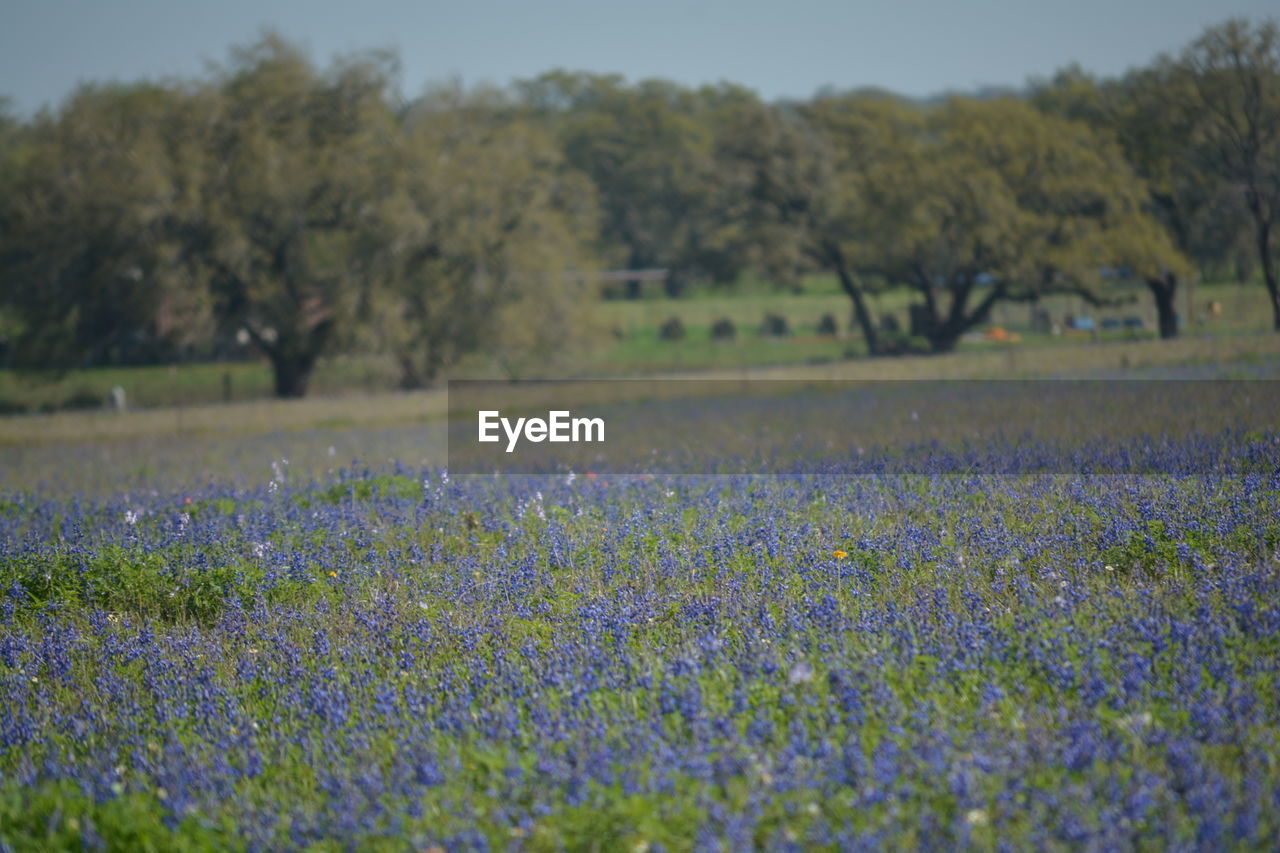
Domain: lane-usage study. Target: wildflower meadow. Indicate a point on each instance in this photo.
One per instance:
(394, 657)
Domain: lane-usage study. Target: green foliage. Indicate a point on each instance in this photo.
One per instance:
(61, 816)
(910, 687)
(384, 486)
(651, 152)
(310, 210)
(1152, 550)
(295, 161)
(1148, 112)
(473, 246)
(967, 205)
(611, 820)
(91, 271)
(1231, 77)
(119, 579)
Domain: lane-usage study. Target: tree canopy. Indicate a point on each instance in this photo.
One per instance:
(314, 210)
(1231, 79)
(89, 263)
(476, 243)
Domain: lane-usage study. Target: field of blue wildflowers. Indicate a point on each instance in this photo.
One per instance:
(388, 658)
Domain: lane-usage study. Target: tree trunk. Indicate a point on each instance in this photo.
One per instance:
(1164, 290)
(293, 356)
(292, 371)
(946, 335)
(674, 285)
(410, 378)
(634, 286)
(860, 312)
(1269, 271)
(943, 343)
(416, 374)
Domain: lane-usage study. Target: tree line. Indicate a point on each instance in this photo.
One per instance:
(310, 210)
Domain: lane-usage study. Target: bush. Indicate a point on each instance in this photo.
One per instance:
(84, 398)
(828, 327)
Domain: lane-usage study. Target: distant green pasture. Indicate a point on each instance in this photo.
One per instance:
(626, 341)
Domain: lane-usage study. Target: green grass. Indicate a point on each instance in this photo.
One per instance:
(645, 352)
(912, 690)
(1245, 308)
(176, 385)
(628, 343)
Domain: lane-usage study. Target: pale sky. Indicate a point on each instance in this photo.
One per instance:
(780, 49)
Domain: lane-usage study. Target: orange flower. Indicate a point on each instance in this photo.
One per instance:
(840, 555)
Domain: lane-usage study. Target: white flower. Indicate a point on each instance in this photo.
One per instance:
(801, 673)
(1136, 721)
(976, 817)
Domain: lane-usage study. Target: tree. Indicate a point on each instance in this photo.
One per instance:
(1147, 113)
(10, 130)
(475, 244)
(649, 151)
(1232, 75)
(89, 263)
(9, 158)
(1002, 203)
(969, 204)
(296, 161)
(801, 166)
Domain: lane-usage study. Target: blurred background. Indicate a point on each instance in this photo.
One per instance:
(208, 207)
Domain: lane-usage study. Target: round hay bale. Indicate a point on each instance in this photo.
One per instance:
(774, 326)
(723, 330)
(671, 330)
